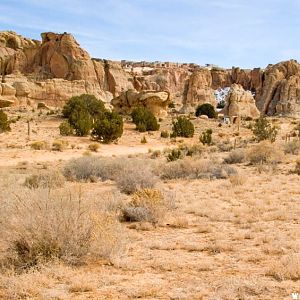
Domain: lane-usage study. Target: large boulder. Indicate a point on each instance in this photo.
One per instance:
(240, 103)
(156, 102)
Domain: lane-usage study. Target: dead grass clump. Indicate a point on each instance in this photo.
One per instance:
(39, 145)
(264, 153)
(195, 169)
(148, 205)
(90, 167)
(292, 147)
(297, 167)
(94, 147)
(135, 175)
(129, 174)
(59, 145)
(237, 179)
(235, 157)
(225, 146)
(42, 226)
(49, 179)
(288, 268)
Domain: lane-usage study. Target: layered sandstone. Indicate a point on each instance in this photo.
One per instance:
(280, 89)
(156, 102)
(56, 68)
(240, 103)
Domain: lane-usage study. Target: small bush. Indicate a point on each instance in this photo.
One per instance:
(94, 147)
(206, 109)
(235, 157)
(237, 179)
(263, 130)
(39, 145)
(183, 127)
(148, 205)
(225, 146)
(4, 123)
(134, 176)
(87, 168)
(66, 129)
(38, 227)
(195, 169)
(192, 150)
(292, 147)
(297, 167)
(144, 120)
(155, 154)
(175, 154)
(206, 137)
(164, 134)
(108, 128)
(264, 153)
(52, 179)
(143, 140)
(129, 174)
(59, 145)
(82, 112)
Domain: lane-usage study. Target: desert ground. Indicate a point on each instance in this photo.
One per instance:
(230, 236)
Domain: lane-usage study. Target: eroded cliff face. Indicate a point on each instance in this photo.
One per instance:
(56, 68)
(240, 103)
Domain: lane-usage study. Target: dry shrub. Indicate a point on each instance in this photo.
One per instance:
(90, 167)
(225, 146)
(264, 153)
(94, 147)
(235, 157)
(49, 179)
(135, 175)
(39, 145)
(59, 145)
(297, 167)
(149, 205)
(292, 147)
(237, 179)
(129, 174)
(288, 268)
(189, 168)
(42, 226)
(155, 154)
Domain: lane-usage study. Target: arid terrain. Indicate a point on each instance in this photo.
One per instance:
(232, 233)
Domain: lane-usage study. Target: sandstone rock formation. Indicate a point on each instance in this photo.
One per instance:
(56, 68)
(281, 89)
(199, 91)
(156, 102)
(240, 103)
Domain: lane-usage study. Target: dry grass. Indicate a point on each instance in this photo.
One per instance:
(195, 169)
(94, 147)
(60, 145)
(47, 179)
(41, 225)
(292, 147)
(39, 145)
(288, 268)
(264, 153)
(235, 157)
(147, 205)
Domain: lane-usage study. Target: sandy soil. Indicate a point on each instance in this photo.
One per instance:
(223, 241)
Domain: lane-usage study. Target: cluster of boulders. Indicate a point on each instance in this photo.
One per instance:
(56, 68)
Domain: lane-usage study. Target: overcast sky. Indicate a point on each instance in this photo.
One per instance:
(244, 33)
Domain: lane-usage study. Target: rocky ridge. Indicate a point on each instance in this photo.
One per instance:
(56, 68)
